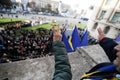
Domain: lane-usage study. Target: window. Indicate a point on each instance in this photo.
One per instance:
(91, 7)
(106, 29)
(108, 2)
(116, 17)
(95, 25)
(102, 15)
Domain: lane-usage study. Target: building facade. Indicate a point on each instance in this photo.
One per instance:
(24, 3)
(106, 15)
(43, 3)
(61, 6)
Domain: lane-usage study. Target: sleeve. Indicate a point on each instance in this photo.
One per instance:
(62, 65)
(108, 46)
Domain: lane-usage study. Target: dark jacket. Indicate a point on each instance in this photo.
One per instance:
(104, 70)
(63, 69)
(108, 45)
(62, 65)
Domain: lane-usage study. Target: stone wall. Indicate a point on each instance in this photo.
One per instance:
(43, 68)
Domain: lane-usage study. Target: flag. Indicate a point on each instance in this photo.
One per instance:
(118, 38)
(84, 39)
(75, 38)
(70, 42)
(1, 46)
(65, 40)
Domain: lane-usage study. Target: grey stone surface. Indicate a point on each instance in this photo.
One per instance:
(43, 68)
(33, 69)
(86, 57)
(95, 52)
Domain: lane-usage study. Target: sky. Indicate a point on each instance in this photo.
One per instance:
(75, 4)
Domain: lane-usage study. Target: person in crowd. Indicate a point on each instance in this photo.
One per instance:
(25, 45)
(4, 58)
(107, 71)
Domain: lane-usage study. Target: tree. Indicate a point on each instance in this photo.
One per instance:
(6, 3)
(32, 5)
(43, 9)
(48, 7)
(56, 11)
(37, 9)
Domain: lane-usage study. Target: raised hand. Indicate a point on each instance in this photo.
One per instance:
(56, 34)
(101, 34)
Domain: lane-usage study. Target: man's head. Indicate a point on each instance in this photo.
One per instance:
(117, 60)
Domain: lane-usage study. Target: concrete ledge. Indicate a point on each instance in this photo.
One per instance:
(43, 68)
(95, 52)
(85, 58)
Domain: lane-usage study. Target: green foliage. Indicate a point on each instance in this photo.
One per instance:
(5, 20)
(83, 26)
(8, 3)
(48, 7)
(45, 25)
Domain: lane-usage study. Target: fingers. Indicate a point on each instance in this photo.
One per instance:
(100, 31)
(101, 34)
(58, 26)
(117, 47)
(53, 28)
(56, 33)
(57, 36)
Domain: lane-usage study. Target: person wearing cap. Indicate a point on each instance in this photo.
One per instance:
(106, 70)
(102, 71)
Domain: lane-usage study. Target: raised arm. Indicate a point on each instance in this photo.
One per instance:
(107, 44)
(62, 65)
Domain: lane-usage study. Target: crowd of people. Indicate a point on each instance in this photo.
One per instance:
(26, 44)
(17, 44)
